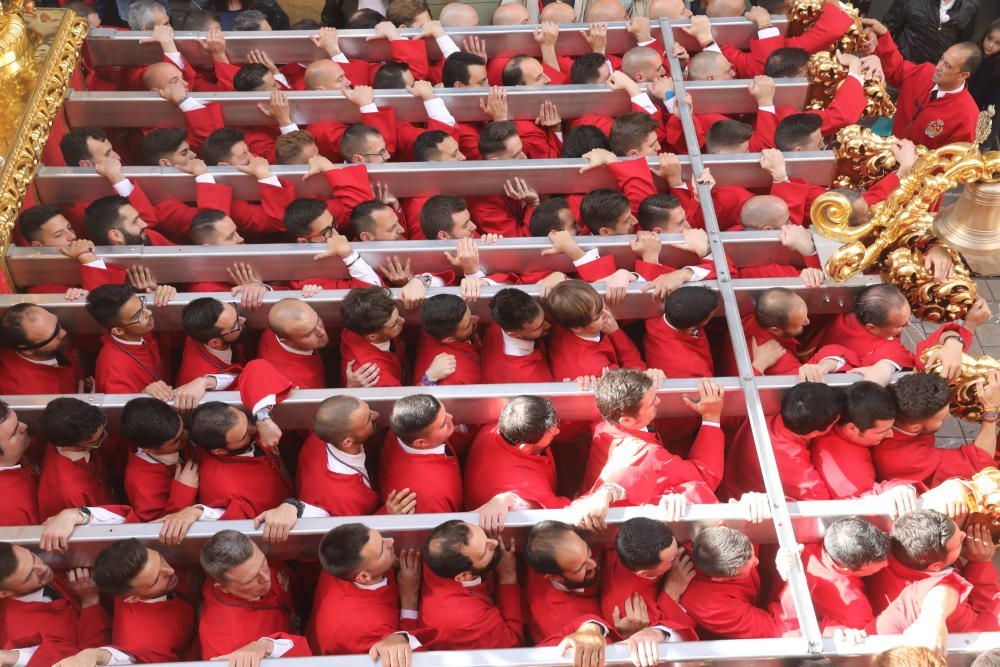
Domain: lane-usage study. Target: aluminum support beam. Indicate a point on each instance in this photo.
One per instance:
(65, 185)
(107, 47)
(143, 109)
(808, 624)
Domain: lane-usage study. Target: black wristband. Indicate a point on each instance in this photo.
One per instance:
(300, 507)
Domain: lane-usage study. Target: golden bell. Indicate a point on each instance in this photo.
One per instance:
(971, 226)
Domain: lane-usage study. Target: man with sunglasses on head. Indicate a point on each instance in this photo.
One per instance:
(36, 356)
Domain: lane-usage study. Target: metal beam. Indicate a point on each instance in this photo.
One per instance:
(144, 109)
(733, 30)
(64, 185)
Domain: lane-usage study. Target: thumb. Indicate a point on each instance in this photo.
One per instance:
(550, 251)
(258, 520)
(449, 257)
(565, 645)
(373, 651)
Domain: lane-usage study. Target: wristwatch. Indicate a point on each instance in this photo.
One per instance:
(262, 415)
(86, 514)
(299, 506)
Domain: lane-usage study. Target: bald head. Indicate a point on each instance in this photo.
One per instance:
(764, 212)
(159, 75)
(777, 307)
(333, 419)
(458, 15)
(641, 63)
(604, 11)
(710, 66)
(511, 14)
(558, 12)
(325, 75)
(722, 8)
(668, 9)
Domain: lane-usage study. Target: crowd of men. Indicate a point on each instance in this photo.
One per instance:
(178, 457)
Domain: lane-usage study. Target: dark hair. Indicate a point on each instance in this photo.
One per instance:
(436, 215)
(920, 538)
(442, 550)
(68, 421)
(629, 131)
(456, 68)
(148, 422)
(118, 564)
(8, 560)
(542, 544)
(640, 541)
(425, 148)
(332, 421)
(363, 217)
(288, 147)
(866, 403)
(218, 146)
(412, 415)
(919, 396)
(352, 142)
(12, 333)
(224, 551)
(210, 422)
(794, 130)
(853, 543)
(582, 139)
(104, 302)
(772, 307)
(587, 68)
(80, 8)
(725, 136)
(601, 208)
(526, 419)
(811, 406)
(493, 137)
(300, 214)
(340, 550)
(390, 75)
(102, 216)
(404, 12)
(874, 303)
(73, 144)
(512, 308)
(364, 19)
(721, 552)
(656, 209)
(199, 318)
(772, 6)
(441, 314)
(974, 57)
(161, 143)
(512, 74)
(690, 306)
(250, 77)
(31, 220)
(199, 20)
(786, 61)
(306, 24)
(546, 218)
(365, 310)
(249, 20)
(202, 230)
(619, 392)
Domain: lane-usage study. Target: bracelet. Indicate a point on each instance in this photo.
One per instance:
(990, 415)
(300, 507)
(669, 95)
(708, 44)
(86, 513)
(353, 261)
(427, 381)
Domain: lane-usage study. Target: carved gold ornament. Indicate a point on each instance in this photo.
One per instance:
(863, 157)
(965, 385)
(826, 75)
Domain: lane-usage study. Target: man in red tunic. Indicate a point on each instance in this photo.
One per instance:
(457, 600)
(367, 597)
(214, 342)
(17, 474)
(35, 599)
(247, 602)
(293, 342)
(372, 328)
(934, 107)
(676, 342)
(513, 347)
(37, 357)
(448, 347)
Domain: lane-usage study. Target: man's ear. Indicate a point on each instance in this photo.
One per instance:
(219, 451)
(117, 331)
(86, 163)
(302, 239)
(357, 159)
(363, 577)
(116, 237)
(164, 162)
(130, 599)
(365, 236)
(6, 594)
(465, 576)
(604, 231)
(443, 236)
(775, 331)
(372, 338)
(36, 244)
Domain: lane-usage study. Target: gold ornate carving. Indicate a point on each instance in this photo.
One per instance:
(965, 386)
(863, 157)
(826, 75)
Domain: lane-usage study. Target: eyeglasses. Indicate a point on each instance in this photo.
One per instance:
(101, 438)
(324, 233)
(384, 152)
(139, 314)
(34, 346)
(237, 327)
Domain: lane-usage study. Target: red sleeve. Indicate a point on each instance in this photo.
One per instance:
(274, 200)
(761, 49)
(735, 618)
(94, 628)
(598, 270)
(260, 379)
(935, 338)
(224, 74)
(882, 188)
(846, 108)
(763, 131)
(634, 180)
(539, 143)
(468, 140)
(202, 122)
(511, 632)
(358, 72)
(708, 455)
(413, 52)
(628, 353)
(745, 64)
(92, 277)
(261, 142)
(143, 206)
(181, 496)
(558, 77)
(799, 196)
(832, 23)
(350, 186)
(895, 67)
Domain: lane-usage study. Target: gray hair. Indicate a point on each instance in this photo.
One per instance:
(224, 551)
(142, 14)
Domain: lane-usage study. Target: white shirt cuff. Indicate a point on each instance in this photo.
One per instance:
(713, 47)
(280, 78)
(176, 58)
(669, 635)
(210, 513)
(204, 178)
(642, 100)
(118, 657)
(313, 512)
(102, 517)
(414, 642)
(857, 77)
(271, 180)
(124, 188)
(281, 646)
(436, 281)
(369, 108)
(671, 105)
(767, 33)
(769, 108)
(266, 402)
(840, 361)
(436, 110)
(646, 43)
(360, 269)
(24, 655)
(708, 423)
(477, 274)
(590, 256)
(603, 627)
(698, 272)
(410, 614)
(223, 380)
(190, 104)
(292, 127)
(447, 45)
(340, 58)
(97, 264)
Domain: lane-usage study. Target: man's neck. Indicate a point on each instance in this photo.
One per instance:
(131, 338)
(38, 356)
(9, 461)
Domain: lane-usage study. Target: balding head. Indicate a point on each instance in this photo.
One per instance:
(764, 212)
(159, 75)
(710, 66)
(297, 325)
(325, 75)
(642, 64)
(782, 312)
(345, 422)
(668, 9)
(558, 12)
(723, 8)
(604, 11)
(512, 14)
(458, 15)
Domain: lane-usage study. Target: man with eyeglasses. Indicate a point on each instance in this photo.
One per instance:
(36, 356)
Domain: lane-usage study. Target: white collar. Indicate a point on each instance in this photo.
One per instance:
(165, 459)
(596, 338)
(36, 596)
(14, 467)
(373, 587)
(250, 452)
(440, 449)
(384, 345)
(474, 582)
(226, 355)
(515, 347)
(948, 92)
(162, 598)
(343, 463)
(41, 362)
(141, 341)
(74, 456)
(304, 353)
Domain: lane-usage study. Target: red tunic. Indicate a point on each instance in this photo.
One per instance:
(496, 466)
(338, 494)
(502, 368)
(847, 468)
(799, 479)
(605, 434)
(914, 457)
(839, 599)
(571, 356)
(618, 583)
(391, 362)
(64, 483)
(728, 609)
(20, 489)
(497, 214)
(468, 362)
(887, 584)
(677, 353)
(846, 108)
(20, 376)
(152, 490)
(435, 478)
(466, 616)
(305, 371)
(48, 652)
(244, 485)
(971, 615)
(128, 369)
(61, 620)
(868, 348)
(160, 631)
(197, 362)
(551, 609)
